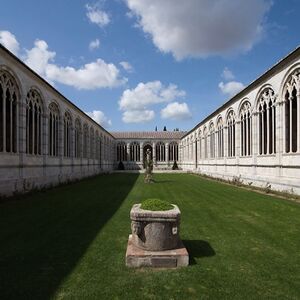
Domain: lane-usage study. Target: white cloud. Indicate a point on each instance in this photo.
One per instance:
(126, 66)
(176, 111)
(96, 15)
(39, 56)
(100, 118)
(231, 88)
(145, 94)
(93, 75)
(95, 44)
(135, 102)
(227, 74)
(200, 28)
(138, 116)
(8, 40)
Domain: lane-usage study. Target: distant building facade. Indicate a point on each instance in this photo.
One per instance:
(46, 140)
(131, 148)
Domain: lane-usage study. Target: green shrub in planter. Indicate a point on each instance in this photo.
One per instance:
(156, 205)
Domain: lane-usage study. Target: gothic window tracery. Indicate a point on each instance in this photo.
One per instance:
(8, 113)
(246, 129)
(33, 123)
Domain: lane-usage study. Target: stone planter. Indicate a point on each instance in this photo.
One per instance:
(155, 230)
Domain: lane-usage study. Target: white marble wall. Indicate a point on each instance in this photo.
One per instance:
(281, 170)
(21, 171)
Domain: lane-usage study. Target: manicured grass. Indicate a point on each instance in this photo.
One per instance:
(70, 242)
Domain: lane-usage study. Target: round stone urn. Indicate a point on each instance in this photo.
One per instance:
(155, 230)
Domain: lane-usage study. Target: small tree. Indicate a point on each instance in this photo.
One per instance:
(175, 166)
(165, 128)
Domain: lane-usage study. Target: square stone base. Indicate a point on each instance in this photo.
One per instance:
(137, 258)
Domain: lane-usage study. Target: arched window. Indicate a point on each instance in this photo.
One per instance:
(8, 113)
(292, 113)
(160, 150)
(92, 143)
(246, 129)
(53, 129)
(67, 134)
(121, 151)
(100, 148)
(173, 151)
(97, 142)
(135, 151)
(192, 148)
(78, 138)
(33, 123)
(220, 137)
(205, 143)
(231, 133)
(266, 122)
(200, 145)
(85, 140)
(212, 140)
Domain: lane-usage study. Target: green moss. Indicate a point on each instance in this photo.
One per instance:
(156, 204)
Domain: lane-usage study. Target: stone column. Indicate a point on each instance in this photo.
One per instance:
(167, 153)
(141, 154)
(154, 153)
(291, 123)
(254, 141)
(45, 141)
(196, 153)
(298, 121)
(21, 147)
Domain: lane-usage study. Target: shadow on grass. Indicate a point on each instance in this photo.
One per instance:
(43, 237)
(198, 249)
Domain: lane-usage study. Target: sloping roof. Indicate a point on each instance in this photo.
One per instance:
(265, 76)
(172, 135)
(51, 87)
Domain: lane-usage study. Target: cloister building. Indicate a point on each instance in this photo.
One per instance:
(46, 140)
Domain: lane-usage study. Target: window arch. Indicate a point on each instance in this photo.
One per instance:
(85, 140)
(135, 151)
(292, 112)
(33, 122)
(8, 113)
(212, 140)
(205, 142)
(246, 129)
(67, 134)
(231, 133)
(92, 143)
(53, 129)
(173, 151)
(160, 150)
(78, 138)
(97, 142)
(220, 137)
(266, 110)
(200, 144)
(121, 151)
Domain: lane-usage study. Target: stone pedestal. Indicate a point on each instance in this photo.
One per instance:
(155, 240)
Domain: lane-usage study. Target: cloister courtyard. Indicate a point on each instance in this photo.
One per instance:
(69, 242)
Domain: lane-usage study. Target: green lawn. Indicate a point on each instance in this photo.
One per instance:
(70, 242)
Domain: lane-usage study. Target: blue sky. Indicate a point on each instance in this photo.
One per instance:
(137, 64)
